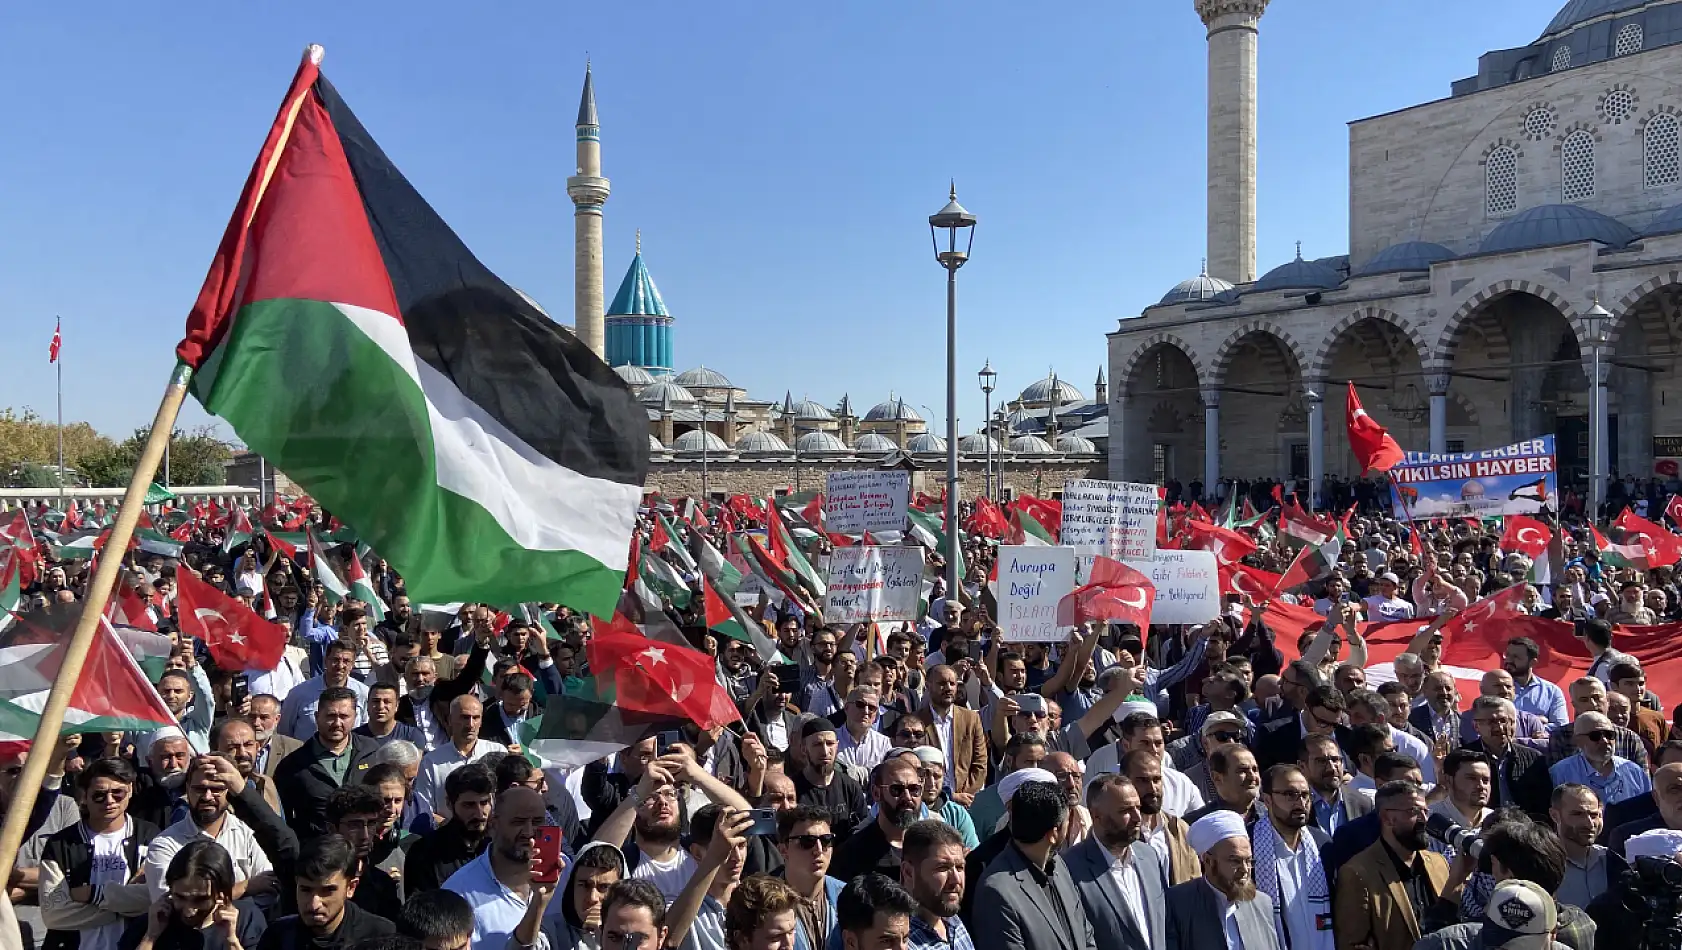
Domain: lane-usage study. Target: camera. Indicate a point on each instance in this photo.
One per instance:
(1651, 893)
(1463, 840)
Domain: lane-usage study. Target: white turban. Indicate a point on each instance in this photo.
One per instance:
(1015, 780)
(1214, 828)
(1135, 706)
(929, 755)
(1658, 843)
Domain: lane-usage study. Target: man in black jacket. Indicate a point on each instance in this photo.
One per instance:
(468, 791)
(1280, 742)
(333, 758)
(1520, 774)
(326, 918)
(78, 898)
(897, 789)
(353, 813)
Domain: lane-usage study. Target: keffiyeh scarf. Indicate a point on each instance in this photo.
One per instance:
(1268, 846)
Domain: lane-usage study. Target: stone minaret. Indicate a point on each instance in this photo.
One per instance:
(1232, 135)
(588, 191)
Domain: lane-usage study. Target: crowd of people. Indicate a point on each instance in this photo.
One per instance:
(928, 786)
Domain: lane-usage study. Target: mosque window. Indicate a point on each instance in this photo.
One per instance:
(1577, 167)
(1663, 145)
(1618, 106)
(1501, 171)
(1629, 40)
(1538, 124)
(1562, 59)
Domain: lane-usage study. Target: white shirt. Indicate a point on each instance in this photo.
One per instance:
(1229, 921)
(1157, 838)
(1408, 744)
(943, 730)
(110, 866)
(1381, 608)
(436, 766)
(1297, 917)
(1125, 872)
(1179, 793)
(866, 753)
(668, 877)
(278, 682)
(496, 909)
(235, 838)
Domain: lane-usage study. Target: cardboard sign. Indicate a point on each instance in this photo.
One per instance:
(1115, 519)
(1032, 579)
(1188, 587)
(856, 502)
(874, 583)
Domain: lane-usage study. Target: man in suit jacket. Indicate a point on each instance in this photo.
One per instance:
(1373, 907)
(1280, 742)
(1130, 920)
(1198, 912)
(1027, 901)
(273, 745)
(958, 732)
(1520, 774)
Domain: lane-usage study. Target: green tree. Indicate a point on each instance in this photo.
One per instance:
(195, 458)
(31, 475)
(27, 437)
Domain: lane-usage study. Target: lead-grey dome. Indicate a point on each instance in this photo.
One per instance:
(1031, 445)
(1201, 287)
(815, 442)
(1667, 223)
(873, 442)
(654, 444)
(1581, 11)
(1403, 257)
(893, 410)
(1076, 445)
(807, 409)
(656, 393)
(1040, 391)
(925, 442)
(1554, 225)
(691, 442)
(634, 376)
(1298, 275)
(702, 377)
(761, 441)
(977, 444)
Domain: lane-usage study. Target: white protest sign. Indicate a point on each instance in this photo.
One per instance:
(1188, 589)
(856, 502)
(1032, 579)
(1115, 519)
(873, 583)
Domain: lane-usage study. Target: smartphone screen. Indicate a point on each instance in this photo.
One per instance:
(548, 867)
(665, 740)
(788, 675)
(764, 822)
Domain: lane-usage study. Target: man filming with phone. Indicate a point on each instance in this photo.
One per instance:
(498, 883)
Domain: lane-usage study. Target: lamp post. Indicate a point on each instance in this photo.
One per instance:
(988, 380)
(952, 219)
(1594, 330)
(701, 404)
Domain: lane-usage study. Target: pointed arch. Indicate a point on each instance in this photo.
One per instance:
(1319, 367)
(1224, 354)
(1124, 375)
(1449, 341)
(1653, 324)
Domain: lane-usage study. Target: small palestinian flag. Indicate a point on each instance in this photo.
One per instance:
(664, 579)
(335, 588)
(1314, 561)
(584, 725)
(352, 339)
(239, 531)
(363, 589)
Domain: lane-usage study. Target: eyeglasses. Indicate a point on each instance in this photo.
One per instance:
(1292, 794)
(913, 736)
(1602, 735)
(903, 788)
(1034, 714)
(813, 842)
(112, 795)
(1225, 736)
(864, 707)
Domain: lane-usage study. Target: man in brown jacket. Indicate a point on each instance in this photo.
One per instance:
(1383, 892)
(1157, 828)
(958, 733)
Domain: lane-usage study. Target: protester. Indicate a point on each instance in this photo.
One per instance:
(1222, 908)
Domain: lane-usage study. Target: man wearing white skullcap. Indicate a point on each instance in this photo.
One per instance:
(1222, 909)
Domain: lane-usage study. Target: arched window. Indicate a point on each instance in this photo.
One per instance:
(1576, 158)
(1501, 181)
(1630, 38)
(1562, 58)
(1662, 143)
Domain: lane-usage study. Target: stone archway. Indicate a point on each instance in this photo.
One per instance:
(1640, 368)
(1375, 351)
(1160, 438)
(1257, 382)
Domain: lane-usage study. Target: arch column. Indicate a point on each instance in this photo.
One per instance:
(1313, 393)
(1211, 440)
(1121, 411)
(1436, 382)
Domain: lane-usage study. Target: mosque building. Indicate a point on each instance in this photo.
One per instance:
(1482, 228)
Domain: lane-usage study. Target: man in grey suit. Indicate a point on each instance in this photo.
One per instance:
(1027, 900)
(1222, 909)
(1120, 878)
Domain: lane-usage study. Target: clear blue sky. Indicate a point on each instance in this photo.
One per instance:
(781, 160)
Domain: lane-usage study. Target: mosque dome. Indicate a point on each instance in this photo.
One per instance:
(1201, 287)
(703, 378)
(807, 409)
(978, 444)
(691, 442)
(894, 410)
(654, 444)
(1299, 275)
(1471, 491)
(925, 443)
(1076, 445)
(1031, 445)
(873, 442)
(1554, 225)
(761, 442)
(1668, 222)
(1020, 419)
(1041, 392)
(634, 376)
(816, 442)
(1576, 12)
(534, 304)
(1403, 257)
(655, 394)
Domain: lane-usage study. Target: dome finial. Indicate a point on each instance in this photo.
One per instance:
(953, 193)
(1299, 250)
(1205, 271)
(639, 240)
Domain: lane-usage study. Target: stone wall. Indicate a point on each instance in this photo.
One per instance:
(677, 479)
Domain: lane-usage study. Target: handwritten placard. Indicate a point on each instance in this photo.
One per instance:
(1188, 588)
(1115, 519)
(856, 502)
(882, 584)
(1032, 579)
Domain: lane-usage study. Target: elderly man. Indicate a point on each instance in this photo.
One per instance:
(1237, 784)
(1613, 777)
(1519, 773)
(857, 742)
(1439, 718)
(1222, 910)
(466, 716)
(1498, 684)
(1589, 694)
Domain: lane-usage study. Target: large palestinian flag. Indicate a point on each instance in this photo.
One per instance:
(352, 339)
(113, 694)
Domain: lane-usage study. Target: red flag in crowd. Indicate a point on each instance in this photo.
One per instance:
(1198, 514)
(1261, 586)
(988, 520)
(1374, 448)
(657, 538)
(58, 341)
(126, 609)
(289, 550)
(1674, 509)
(657, 677)
(1046, 511)
(813, 511)
(1228, 545)
(238, 639)
(1526, 536)
(1113, 591)
(1663, 548)
(72, 517)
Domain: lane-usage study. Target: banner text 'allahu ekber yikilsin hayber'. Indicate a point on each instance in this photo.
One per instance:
(1514, 479)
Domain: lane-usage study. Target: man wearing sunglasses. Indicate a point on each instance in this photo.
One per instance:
(103, 855)
(1220, 728)
(1596, 764)
(896, 788)
(807, 846)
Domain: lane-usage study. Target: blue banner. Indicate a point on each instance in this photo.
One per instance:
(1516, 479)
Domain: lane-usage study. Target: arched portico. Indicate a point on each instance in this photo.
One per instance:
(1158, 410)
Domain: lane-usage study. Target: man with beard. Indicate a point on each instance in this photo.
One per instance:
(1120, 878)
(718, 846)
(807, 845)
(332, 758)
(1531, 693)
(382, 725)
(821, 783)
(931, 870)
(651, 817)
(1383, 893)
(959, 734)
(1237, 783)
(396, 621)
(272, 745)
(326, 919)
(1141, 731)
(1222, 910)
(1164, 832)
(187, 694)
(1286, 849)
(160, 794)
(1576, 812)
(458, 840)
(817, 693)
(498, 884)
(1334, 804)
(1613, 777)
(897, 791)
(1466, 773)
(1026, 899)
(209, 817)
(237, 741)
(1519, 773)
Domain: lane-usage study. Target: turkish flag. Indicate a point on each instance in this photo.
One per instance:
(657, 677)
(1662, 547)
(126, 609)
(1526, 536)
(1113, 591)
(1374, 448)
(1674, 509)
(1259, 585)
(1229, 546)
(238, 639)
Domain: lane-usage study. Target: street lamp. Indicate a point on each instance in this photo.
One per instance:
(988, 380)
(701, 405)
(952, 219)
(1594, 334)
